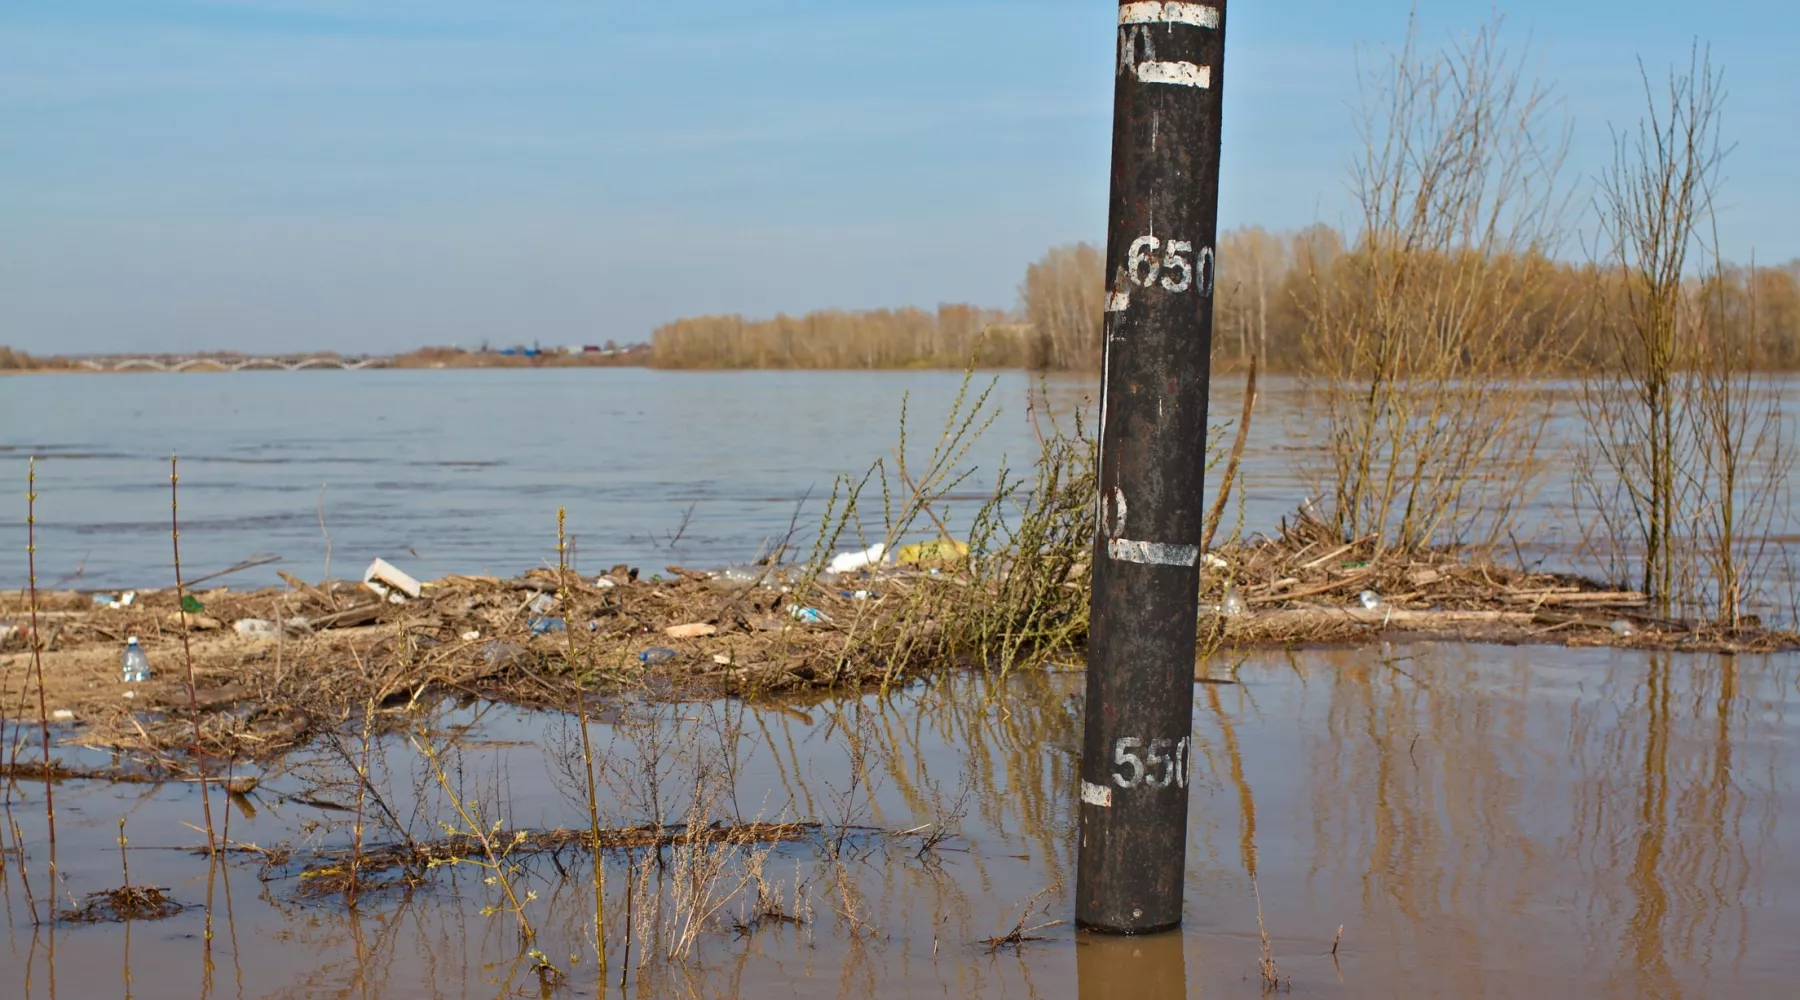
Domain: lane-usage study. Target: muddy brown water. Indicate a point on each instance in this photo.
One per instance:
(1481, 821)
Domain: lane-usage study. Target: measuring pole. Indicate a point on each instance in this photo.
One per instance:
(1159, 313)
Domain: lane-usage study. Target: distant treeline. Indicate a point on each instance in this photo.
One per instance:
(1272, 294)
(884, 338)
(11, 360)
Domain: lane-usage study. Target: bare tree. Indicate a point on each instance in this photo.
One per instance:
(1414, 332)
(1685, 451)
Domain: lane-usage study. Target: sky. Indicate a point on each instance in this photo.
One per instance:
(372, 175)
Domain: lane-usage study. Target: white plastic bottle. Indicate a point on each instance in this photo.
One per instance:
(136, 666)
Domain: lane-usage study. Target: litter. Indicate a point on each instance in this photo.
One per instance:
(545, 626)
(1233, 606)
(658, 654)
(693, 631)
(1621, 627)
(385, 579)
(604, 583)
(1370, 600)
(542, 603)
(1211, 561)
(500, 654)
(105, 601)
(191, 604)
(471, 635)
(134, 665)
(811, 616)
(850, 562)
(722, 659)
(858, 595)
(257, 628)
(936, 551)
(62, 715)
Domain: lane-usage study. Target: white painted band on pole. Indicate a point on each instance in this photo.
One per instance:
(1181, 74)
(1096, 795)
(1197, 14)
(1152, 553)
(1118, 302)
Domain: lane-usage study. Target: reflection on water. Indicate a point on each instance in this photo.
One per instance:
(1479, 821)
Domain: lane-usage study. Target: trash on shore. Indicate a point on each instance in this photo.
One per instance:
(938, 550)
(257, 628)
(811, 616)
(657, 654)
(542, 603)
(385, 579)
(1622, 628)
(545, 626)
(501, 654)
(134, 665)
(695, 630)
(1233, 604)
(850, 562)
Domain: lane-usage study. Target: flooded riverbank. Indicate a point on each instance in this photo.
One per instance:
(1478, 820)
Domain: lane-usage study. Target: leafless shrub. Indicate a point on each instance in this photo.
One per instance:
(1414, 332)
(1685, 461)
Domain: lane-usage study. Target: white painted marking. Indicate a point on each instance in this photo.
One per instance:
(1096, 795)
(1181, 74)
(1116, 523)
(1153, 553)
(1118, 302)
(1196, 14)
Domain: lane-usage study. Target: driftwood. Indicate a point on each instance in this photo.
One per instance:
(1619, 598)
(1303, 621)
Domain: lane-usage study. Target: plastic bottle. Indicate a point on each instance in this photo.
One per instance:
(1371, 600)
(545, 626)
(1233, 605)
(135, 666)
(657, 654)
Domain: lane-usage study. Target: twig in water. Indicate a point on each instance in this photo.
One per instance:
(687, 516)
(187, 651)
(587, 748)
(327, 577)
(37, 659)
(1214, 516)
(1271, 974)
(1021, 933)
(260, 559)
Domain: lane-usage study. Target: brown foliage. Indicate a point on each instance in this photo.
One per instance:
(882, 338)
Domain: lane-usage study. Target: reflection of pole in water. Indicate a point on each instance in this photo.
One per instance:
(1131, 968)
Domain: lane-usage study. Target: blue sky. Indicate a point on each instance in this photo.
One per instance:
(369, 175)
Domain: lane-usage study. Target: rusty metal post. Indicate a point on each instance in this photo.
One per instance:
(1159, 314)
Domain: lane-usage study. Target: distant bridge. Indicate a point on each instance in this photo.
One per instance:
(229, 364)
